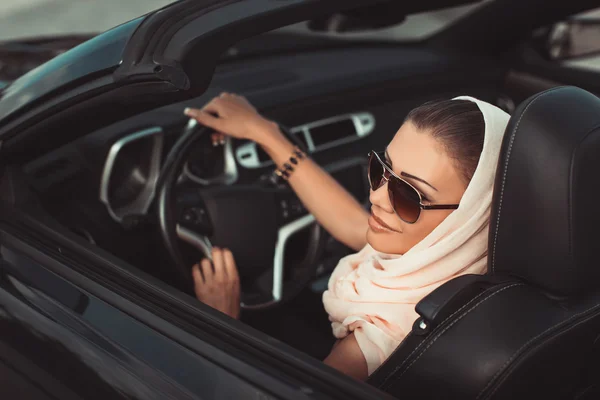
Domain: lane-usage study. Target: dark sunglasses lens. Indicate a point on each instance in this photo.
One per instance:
(375, 172)
(405, 200)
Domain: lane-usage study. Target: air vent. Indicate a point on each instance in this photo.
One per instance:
(316, 136)
(130, 173)
(251, 155)
(335, 131)
(262, 155)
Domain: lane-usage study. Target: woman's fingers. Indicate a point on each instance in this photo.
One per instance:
(219, 264)
(211, 116)
(231, 116)
(221, 269)
(207, 271)
(233, 281)
(204, 118)
(217, 283)
(230, 267)
(216, 106)
(197, 275)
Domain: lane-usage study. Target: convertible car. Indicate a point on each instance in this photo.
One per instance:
(109, 194)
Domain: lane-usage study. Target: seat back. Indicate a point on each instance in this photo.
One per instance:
(530, 328)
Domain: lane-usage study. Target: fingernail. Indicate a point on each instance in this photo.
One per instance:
(187, 111)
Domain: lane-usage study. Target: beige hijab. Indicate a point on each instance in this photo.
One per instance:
(374, 294)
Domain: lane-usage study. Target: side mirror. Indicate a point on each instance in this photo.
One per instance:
(577, 37)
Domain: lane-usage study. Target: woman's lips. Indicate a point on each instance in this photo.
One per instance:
(378, 225)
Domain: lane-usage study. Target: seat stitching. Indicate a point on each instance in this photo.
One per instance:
(454, 322)
(528, 343)
(512, 138)
(423, 342)
(570, 196)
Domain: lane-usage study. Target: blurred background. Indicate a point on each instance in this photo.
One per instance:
(33, 19)
(19, 18)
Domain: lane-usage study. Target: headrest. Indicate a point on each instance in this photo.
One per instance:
(545, 221)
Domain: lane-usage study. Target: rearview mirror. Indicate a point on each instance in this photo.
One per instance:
(380, 14)
(573, 38)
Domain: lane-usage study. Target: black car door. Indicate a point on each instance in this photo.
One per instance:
(60, 341)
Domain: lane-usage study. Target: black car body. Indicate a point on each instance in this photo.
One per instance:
(89, 307)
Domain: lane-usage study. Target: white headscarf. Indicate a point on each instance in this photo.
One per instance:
(374, 294)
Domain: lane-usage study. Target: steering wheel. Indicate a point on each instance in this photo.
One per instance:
(254, 221)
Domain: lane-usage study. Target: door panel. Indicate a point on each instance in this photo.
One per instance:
(92, 348)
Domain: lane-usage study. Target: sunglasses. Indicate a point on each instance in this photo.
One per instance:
(406, 200)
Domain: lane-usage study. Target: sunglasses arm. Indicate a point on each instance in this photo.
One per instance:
(439, 206)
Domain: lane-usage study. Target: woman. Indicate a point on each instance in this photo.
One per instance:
(431, 193)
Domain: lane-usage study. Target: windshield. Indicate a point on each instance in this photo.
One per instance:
(34, 18)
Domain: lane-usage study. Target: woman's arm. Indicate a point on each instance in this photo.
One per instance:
(217, 284)
(347, 358)
(333, 207)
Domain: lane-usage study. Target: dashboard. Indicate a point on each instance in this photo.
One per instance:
(133, 163)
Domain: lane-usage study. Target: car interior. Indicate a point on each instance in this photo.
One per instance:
(337, 98)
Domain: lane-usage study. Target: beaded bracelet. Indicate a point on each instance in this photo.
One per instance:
(287, 169)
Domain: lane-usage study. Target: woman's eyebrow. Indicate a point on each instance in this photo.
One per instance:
(407, 175)
(416, 178)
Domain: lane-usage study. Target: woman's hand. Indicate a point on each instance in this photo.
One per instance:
(217, 284)
(233, 115)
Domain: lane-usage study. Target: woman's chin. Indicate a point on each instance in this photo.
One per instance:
(388, 244)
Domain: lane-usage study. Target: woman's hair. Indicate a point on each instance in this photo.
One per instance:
(458, 126)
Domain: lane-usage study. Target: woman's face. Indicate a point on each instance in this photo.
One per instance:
(420, 160)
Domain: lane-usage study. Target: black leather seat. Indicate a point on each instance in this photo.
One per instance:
(530, 328)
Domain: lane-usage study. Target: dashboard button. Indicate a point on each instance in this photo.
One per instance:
(196, 218)
(189, 216)
(290, 207)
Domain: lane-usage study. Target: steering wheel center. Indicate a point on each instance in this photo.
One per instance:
(230, 216)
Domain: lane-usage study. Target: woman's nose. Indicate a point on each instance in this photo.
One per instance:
(380, 197)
